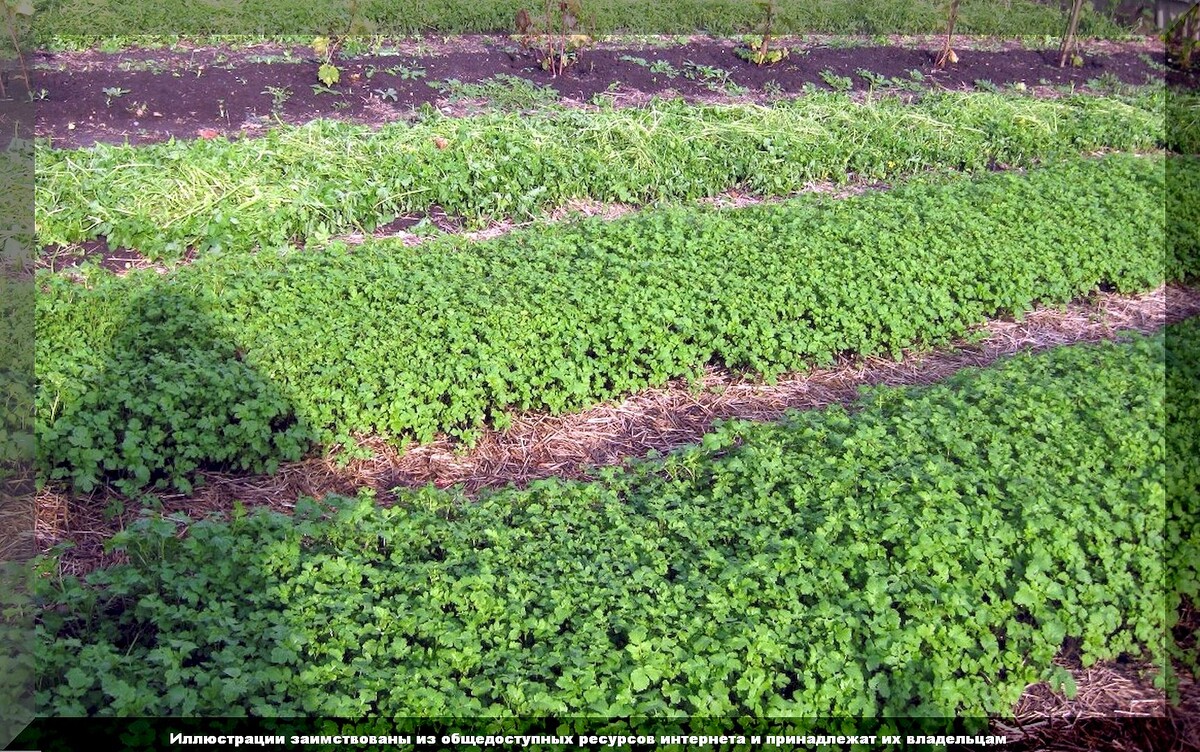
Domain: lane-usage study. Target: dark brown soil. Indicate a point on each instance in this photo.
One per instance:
(117, 260)
(156, 95)
(120, 260)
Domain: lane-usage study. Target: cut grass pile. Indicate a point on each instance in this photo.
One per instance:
(240, 360)
(326, 178)
(130, 18)
(927, 553)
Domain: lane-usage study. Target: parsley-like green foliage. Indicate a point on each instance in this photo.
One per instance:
(1182, 545)
(16, 372)
(1183, 121)
(239, 359)
(312, 182)
(926, 553)
(1183, 217)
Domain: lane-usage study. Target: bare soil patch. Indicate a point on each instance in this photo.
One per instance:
(143, 96)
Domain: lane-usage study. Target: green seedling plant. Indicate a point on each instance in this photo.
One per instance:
(328, 47)
(355, 46)
(387, 95)
(111, 93)
(1107, 83)
(714, 78)
(157, 67)
(657, 67)
(404, 73)
(287, 56)
(328, 73)
(664, 68)
(279, 96)
(914, 82)
(836, 82)
(1151, 63)
(873, 79)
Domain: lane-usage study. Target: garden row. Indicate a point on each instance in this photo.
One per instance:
(132, 18)
(241, 361)
(927, 553)
(326, 178)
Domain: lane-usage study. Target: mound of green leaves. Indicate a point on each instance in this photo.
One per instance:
(325, 178)
(1183, 217)
(16, 372)
(927, 553)
(1183, 122)
(241, 358)
(1183, 479)
(140, 17)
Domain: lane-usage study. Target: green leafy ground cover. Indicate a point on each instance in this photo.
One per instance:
(139, 17)
(326, 178)
(1183, 476)
(1183, 217)
(16, 372)
(1183, 122)
(926, 553)
(241, 360)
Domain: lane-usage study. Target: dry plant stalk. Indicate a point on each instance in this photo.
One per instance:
(12, 10)
(948, 55)
(1069, 42)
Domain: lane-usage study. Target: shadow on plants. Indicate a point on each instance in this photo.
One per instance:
(168, 395)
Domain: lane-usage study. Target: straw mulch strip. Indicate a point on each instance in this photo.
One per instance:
(18, 510)
(1112, 711)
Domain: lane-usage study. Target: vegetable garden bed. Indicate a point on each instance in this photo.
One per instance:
(245, 359)
(305, 184)
(914, 551)
(907, 557)
(181, 94)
